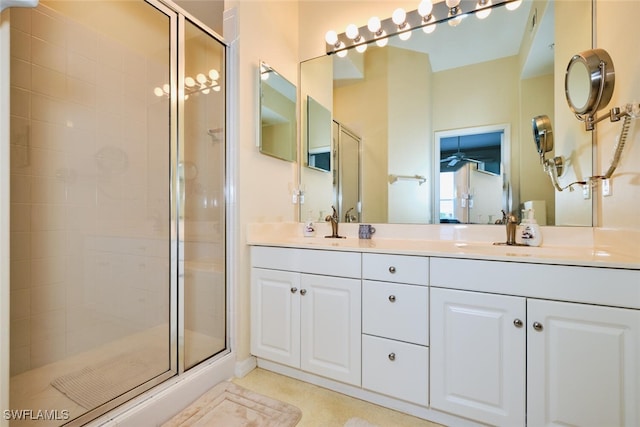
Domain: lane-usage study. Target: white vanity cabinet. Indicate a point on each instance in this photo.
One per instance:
(303, 315)
(478, 356)
(582, 360)
(395, 326)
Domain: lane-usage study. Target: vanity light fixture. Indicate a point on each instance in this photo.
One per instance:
(402, 23)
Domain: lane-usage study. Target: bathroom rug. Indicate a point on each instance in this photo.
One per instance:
(231, 405)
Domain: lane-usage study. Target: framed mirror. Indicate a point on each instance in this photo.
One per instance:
(278, 118)
(504, 69)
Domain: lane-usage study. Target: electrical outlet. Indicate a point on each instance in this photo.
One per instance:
(586, 191)
(606, 187)
(294, 198)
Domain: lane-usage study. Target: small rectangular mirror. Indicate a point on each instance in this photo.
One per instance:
(278, 125)
(318, 136)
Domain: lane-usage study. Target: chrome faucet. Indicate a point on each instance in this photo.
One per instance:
(511, 222)
(348, 217)
(334, 224)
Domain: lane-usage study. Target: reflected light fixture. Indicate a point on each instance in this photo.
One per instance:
(402, 23)
(204, 83)
(483, 9)
(513, 5)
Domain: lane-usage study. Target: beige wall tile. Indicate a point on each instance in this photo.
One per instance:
(48, 55)
(47, 298)
(48, 271)
(20, 274)
(20, 304)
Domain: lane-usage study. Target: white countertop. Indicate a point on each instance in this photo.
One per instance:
(587, 247)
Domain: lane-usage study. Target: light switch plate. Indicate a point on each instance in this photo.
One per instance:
(606, 187)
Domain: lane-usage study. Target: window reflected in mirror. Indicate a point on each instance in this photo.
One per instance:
(278, 124)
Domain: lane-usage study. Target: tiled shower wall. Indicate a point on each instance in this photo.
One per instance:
(89, 189)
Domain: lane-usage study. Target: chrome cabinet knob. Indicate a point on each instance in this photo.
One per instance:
(517, 323)
(392, 269)
(392, 356)
(294, 290)
(537, 326)
(303, 291)
(392, 298)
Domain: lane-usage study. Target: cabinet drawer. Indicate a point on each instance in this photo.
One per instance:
(327, 263)
(396, 311)
(395, 268)
(396, 369)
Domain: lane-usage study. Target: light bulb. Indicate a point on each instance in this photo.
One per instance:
(331, 37)
(361, 48)
(406, 35)
(201, 78)
(452, 3)
(216, 88)
(189, 82)
(158, 91)
(206, 91)
(343, 52)
(166, 88)
(425, 7)
(483, 9)
(352, 31)
(214, 74)
(382, 39)
(399, 16)
(455, 21)
(513, 5)
(374, 24)
(429, 28)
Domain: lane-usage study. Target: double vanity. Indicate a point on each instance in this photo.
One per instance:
(450, 328)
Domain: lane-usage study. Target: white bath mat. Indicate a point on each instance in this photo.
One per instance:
(94, 385)
(358, 422)
(230, 405)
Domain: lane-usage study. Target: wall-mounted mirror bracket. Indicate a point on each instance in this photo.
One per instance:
(543, 138)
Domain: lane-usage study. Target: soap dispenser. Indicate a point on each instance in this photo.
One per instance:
(531, 234)
(309, 228)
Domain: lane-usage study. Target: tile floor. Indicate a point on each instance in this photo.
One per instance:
(322, 407)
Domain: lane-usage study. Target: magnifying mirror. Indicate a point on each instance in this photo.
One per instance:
(542, 134)
(543, 138)
(588, 84)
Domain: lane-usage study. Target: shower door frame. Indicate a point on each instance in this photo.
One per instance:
(177, 18)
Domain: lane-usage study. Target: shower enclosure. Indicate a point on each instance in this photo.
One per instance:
(117, 203)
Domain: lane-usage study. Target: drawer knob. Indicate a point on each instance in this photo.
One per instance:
(392, 298)
(303, 291)
(392, 269)
(517, 323)
(392, 356)
(294, 290)
(537, 326)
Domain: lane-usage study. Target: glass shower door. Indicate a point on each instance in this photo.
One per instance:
(202, 214)
(90, 206)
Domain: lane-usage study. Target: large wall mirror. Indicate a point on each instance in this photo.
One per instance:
(278, 125)
(425, 106)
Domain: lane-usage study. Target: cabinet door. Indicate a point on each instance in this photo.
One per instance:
(275, 316)
(331, 327)
(478, 356)
(583, 365)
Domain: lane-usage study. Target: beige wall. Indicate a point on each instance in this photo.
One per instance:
(362, 108)
(410, 150)
(571, 140)
(267, 31)
(537, 99)
(616, 20)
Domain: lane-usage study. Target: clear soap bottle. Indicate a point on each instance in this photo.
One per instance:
(531, 234)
